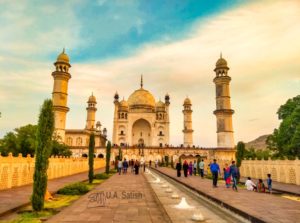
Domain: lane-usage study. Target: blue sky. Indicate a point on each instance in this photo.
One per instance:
(101, 29)
(175, 44)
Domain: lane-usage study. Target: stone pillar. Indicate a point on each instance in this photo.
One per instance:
(223, 112)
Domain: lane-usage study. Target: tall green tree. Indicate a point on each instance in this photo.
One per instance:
(108, 151)
(240, 153)
(44, 134)
(9, 144)
(120, 154)
(91, 157)
(60, 149)
(22, 140)
(285, 141)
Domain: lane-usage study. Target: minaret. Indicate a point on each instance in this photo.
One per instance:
(61, 78)
(91, 112)
(223, 112)
(187, 123)
(167, 132)
(116, 103)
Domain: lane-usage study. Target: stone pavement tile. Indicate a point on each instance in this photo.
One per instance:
(139, 210)
(271, 208)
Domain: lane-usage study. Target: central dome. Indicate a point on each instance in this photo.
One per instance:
(141, 97)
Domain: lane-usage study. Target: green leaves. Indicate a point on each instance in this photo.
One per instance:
(240, 153)
(285, 140)
(44, 134)
(108, 151)
(91, 157)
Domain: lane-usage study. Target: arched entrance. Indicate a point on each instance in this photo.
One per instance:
(141, 133)
(100, 156)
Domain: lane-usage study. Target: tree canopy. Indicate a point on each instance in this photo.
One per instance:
(285, 141)
(23, 140)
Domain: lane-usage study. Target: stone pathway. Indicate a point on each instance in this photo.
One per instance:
(12, 199)
(263, 207)
(121, 198)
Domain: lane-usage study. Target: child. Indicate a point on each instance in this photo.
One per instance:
(269, 182)
(261, 186)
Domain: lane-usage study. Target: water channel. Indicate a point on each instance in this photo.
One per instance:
(184, 205)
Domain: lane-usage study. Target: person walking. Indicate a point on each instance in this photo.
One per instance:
(120, 166)
(234, 172)
(191, 168)
(201, 168)
(125, 166)
(136, 167)
(227, 175)
(269, 183)
(156, 163)
(195, 167)
(132, 166)
(178, 168)
(150, 163)
(215, 170)
(185, 167)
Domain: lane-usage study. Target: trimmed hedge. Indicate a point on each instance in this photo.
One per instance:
(101, 176)
(74, 189)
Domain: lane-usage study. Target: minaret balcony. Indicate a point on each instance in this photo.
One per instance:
(224, 111)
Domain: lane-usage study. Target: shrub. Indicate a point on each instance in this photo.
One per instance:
(101, 176)
(74, 189)
(113, 171)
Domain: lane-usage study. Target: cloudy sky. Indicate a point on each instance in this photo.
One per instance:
(174, 44)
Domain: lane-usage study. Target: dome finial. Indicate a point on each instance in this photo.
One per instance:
(64, 50)
(142, 81)
(221, 54)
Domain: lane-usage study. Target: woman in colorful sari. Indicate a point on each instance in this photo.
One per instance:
(227, 175)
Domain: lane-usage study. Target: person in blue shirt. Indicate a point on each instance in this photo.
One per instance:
(215, 170)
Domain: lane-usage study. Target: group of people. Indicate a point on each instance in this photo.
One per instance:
(230, 174)
(260, 186)
(135, 166)
(190, 168)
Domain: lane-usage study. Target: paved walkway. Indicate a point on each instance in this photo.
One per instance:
(282, 187)
(263, 207)
(12, 199)
(121, 198)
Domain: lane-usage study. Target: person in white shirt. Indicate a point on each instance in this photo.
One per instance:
(250, 185)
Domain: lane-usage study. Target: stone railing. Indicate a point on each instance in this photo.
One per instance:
(18, 171)
(284, 171)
